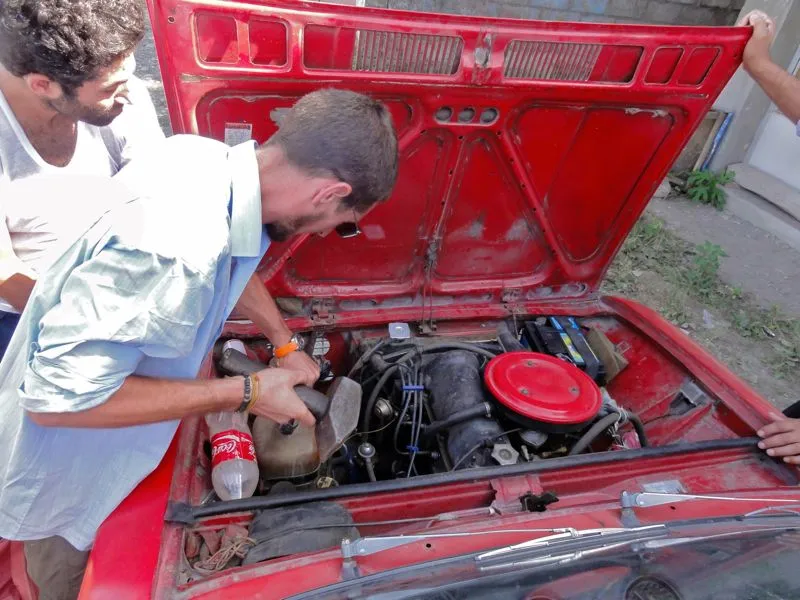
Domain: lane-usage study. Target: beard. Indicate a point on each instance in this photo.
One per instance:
(93, 115)
(280, 231)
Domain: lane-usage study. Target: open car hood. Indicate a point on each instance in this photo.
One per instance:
(528, 149)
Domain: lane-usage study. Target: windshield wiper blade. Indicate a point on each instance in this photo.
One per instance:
(571, 536)
(550, 558)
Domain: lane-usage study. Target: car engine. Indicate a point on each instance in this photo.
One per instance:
(533, 391)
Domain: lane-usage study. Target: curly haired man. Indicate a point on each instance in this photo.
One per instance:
(68, 104)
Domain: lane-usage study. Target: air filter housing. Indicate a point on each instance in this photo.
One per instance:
(543, 392)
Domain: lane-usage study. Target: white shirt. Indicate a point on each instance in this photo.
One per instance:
(36, 223)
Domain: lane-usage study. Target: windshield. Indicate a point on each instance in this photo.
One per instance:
(701, 562)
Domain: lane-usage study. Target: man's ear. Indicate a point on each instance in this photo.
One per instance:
(43, 86)
(333, 192)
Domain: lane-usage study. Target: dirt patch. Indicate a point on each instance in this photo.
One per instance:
(754, 260)
(681, 281)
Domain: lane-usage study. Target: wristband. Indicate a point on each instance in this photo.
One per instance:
(286, 349)
(254, 392)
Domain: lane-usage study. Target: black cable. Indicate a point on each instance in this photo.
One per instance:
(370, 469)
(373, 398)
(483, 444)
(448, 464)
(365, 357)
(403, 411)
(639, 427)
(483, 409)
(403, 356)
(410, 447)
(419, 414)
(594, 432)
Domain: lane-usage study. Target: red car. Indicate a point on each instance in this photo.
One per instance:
(519, 435)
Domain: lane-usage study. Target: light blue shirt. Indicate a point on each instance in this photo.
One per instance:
(145, 291)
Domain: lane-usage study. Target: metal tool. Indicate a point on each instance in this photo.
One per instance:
(336, 413)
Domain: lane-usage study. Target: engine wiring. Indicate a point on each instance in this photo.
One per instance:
(412, 399)
(395, 372)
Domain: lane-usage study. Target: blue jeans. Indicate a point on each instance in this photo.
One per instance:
(8, 323)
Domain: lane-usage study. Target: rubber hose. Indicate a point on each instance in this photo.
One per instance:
(507, 338)
(593, 433)
(370, 470)
(373, 398)
(483, 409)
(639, 427)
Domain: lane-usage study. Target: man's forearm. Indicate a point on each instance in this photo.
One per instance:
(16, 290)
(256, 304)
(16, 278)
(782, 88)
(142, 400)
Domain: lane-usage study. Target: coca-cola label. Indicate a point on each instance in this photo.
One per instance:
(230, 445)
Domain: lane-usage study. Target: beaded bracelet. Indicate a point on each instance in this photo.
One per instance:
(248, 394)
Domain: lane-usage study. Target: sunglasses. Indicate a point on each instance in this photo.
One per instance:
(348, 230)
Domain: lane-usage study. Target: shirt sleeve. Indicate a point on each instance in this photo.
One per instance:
(136, 129)
(118, 307)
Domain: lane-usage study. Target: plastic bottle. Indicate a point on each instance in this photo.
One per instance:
(234, 470)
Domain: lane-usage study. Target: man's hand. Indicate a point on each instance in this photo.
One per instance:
(277, 399)
(781, 439)
(302, 363)
(757, 49)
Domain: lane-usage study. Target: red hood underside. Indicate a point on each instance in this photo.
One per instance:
(528, 149)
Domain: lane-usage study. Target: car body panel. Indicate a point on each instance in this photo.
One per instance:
(522, 215)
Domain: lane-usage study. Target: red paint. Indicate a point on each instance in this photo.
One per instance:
(540, 196)
(543, 388)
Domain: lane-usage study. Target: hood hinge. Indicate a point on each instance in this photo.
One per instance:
(322, 311)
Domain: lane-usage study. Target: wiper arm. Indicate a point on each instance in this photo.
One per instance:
(572, 536)
(648, 499)
(352, 549)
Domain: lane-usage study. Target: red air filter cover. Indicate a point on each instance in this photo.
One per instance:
(543, 392)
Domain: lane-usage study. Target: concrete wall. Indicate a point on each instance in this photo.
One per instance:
(668, 12)
(742, 96)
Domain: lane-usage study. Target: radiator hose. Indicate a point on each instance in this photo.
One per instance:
(596, 430)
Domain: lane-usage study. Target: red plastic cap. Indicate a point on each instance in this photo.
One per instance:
(543, 388)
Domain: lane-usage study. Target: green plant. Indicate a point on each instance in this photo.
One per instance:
(787, 360)
(706, 187)
(702, 276)
(676, 307)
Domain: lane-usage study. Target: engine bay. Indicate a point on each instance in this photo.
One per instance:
(417, 427)
(400, 406)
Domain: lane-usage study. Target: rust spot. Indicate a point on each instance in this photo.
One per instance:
(518, 231)
(189, 78)
(655, 112)
(476, 229)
